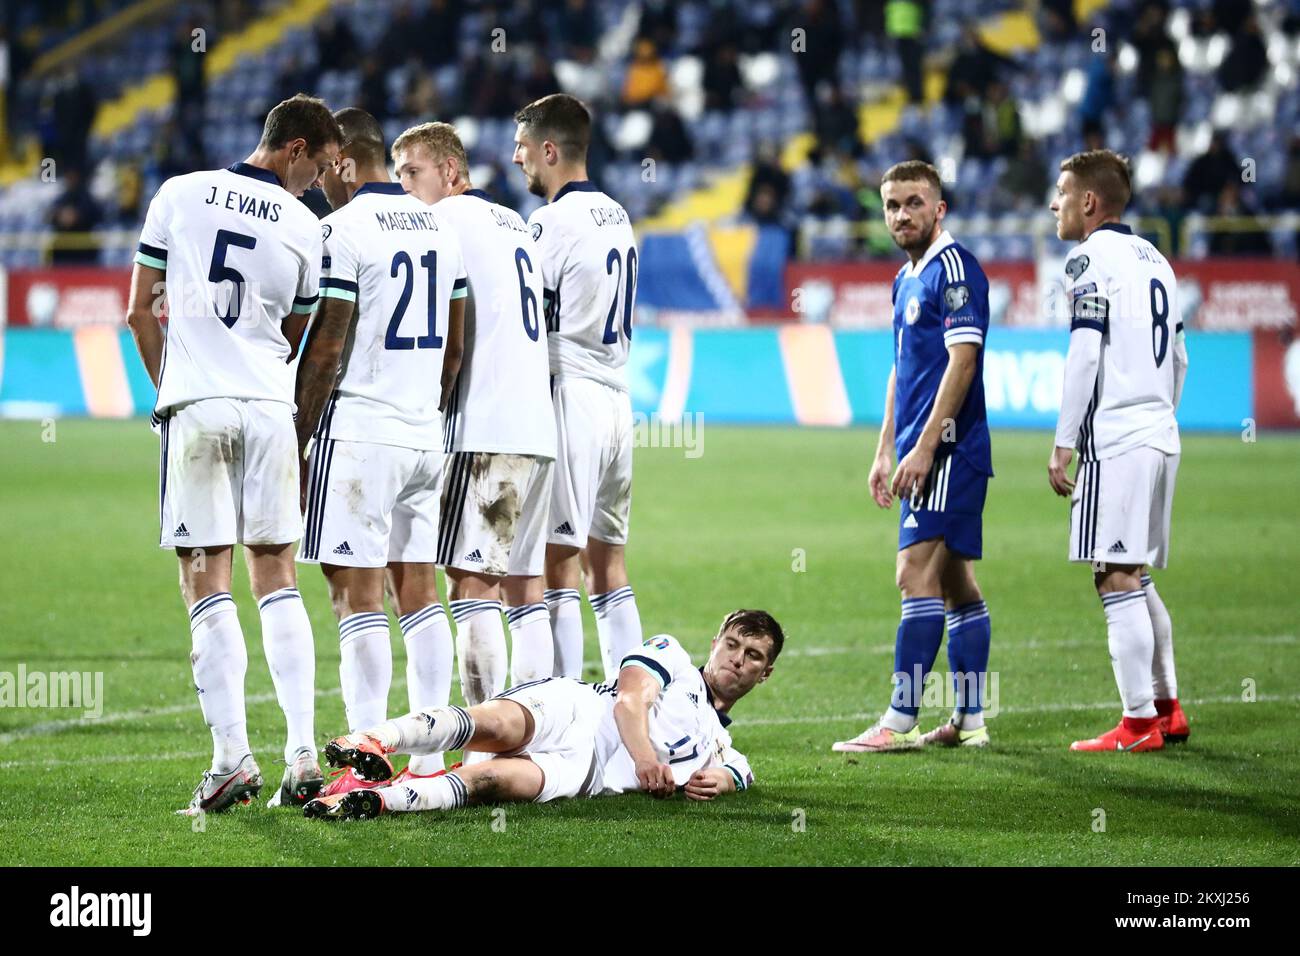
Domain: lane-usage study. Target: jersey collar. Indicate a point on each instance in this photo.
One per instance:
(255, 172)
(1115, 227)
(577, 186)
(708, 692)
(381, 189)
(943, 242)
(480, 194)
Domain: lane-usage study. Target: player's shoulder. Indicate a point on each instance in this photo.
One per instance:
(960, 265)
(663, 655)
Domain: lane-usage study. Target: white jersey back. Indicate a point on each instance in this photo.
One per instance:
(502, 401)
(1120, 285)
(241, 254)
(402, 265)
(687, 732)
(588, 258)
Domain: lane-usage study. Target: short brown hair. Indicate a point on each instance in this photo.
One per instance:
(301, 117)
(1105, 173)
(363, 137)
(753, 624)
(440, 139)
(913, 170)
(563, 120)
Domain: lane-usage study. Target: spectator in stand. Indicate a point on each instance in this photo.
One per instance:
(336, 44)
(294, 77)
(1209, 173)
(187, 63)
(1246, 64)
(658, 23)
(823, 43)
(647, 77)
(373, 95)
(835, 121)
(74, 212)
(1024, 182)
(422, 100)
(400, 41)
(669, 141)
(1098, 95)
(722, 81)
(905, 25)
(973, 68)
(1001, 122)
(540, 79)
(1149, 38)
(577, 23)
(495, 92)
(1165, 93)
(1231, 15)
(1245, 238)
(1056, 20)
(71, 106)
(439, 31)
(767, 176)
(1291, 178)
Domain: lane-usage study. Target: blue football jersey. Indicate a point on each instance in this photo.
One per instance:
(941, 300)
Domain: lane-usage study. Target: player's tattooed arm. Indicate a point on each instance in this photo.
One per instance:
(883, 465)
(143, 310)
(913, 470)
(637, 692)
(453, 350)
(318, 368)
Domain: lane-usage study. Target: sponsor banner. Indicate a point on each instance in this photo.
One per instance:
(1277, 379)
(68, 297)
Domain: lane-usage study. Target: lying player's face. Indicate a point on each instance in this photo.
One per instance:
(738, 662)
(1068, 208)
(306, 169)
(528, 157)
(420, 175)
(911, 212)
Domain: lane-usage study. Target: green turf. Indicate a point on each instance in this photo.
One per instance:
(85, 588)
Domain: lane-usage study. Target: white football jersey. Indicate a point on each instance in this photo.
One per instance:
(688, 733)
(588, 257)
(241, 254)
(401, 264)
(1122, 291)
(502, 401)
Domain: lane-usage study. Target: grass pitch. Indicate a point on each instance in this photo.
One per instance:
(773, 518)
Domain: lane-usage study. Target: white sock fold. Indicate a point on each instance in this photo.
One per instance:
(291, 657)
(618, 624)
(1164, 679)
(1132, 644)
(565, 606)
(365, 668)
(532, 649)
(427, 634)
(219, 661)
(481, 649)
(441, 793)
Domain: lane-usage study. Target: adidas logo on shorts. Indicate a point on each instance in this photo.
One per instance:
(1117, 548)
(565, 528)
(910, 521)
(474, 555)
(181, 531)
(343, 549)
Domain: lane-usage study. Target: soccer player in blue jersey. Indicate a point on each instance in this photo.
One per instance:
(935, 420)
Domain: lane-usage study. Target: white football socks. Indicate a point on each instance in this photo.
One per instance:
(291, 657)
(1164, 680)
(219, 661)
(428, 731)
(618, 625)
(1132, 645)
(897, 720)
(532, 649)
(427, 634)
(481, 648)
(441, 793)
(565, 606)
(365, 668)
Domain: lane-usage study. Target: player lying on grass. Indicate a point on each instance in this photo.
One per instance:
(660, 729)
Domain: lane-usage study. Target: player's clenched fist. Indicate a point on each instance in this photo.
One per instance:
(655, 778)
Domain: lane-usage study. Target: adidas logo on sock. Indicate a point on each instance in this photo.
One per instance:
(343, 549)
(181, 531)
(565, 528)
(910, 521)
(474, 555)
(1117, 548)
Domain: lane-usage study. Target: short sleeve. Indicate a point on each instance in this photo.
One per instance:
(460, 284)
(964, 299)
(662, 657)
(152, 250)
(339, 268)
(1085, 293)
(304, 301)
(550, 263)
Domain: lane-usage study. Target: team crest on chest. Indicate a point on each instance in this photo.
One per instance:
(912, 311)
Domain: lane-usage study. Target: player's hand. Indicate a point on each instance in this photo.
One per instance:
(703, 785)
(913, 472)
(303, 473)
(655, 778)
(1057, 471)
(878, 481)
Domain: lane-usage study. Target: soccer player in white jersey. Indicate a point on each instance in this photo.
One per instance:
(588, 259)
(660, 729)
(1123, 377)
(239, 259)
(381, 360)
(499, 431)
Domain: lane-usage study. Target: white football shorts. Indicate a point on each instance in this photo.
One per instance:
(494, 513)
(369, 504)
(592, 495)
(566, 717)
(228, 474)
(1121, 508)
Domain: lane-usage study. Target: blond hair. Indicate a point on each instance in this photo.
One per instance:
(440, 139)
(913, 171)
(1105, 173)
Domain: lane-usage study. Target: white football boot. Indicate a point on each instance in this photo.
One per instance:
(221, 791)
(302, 781)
